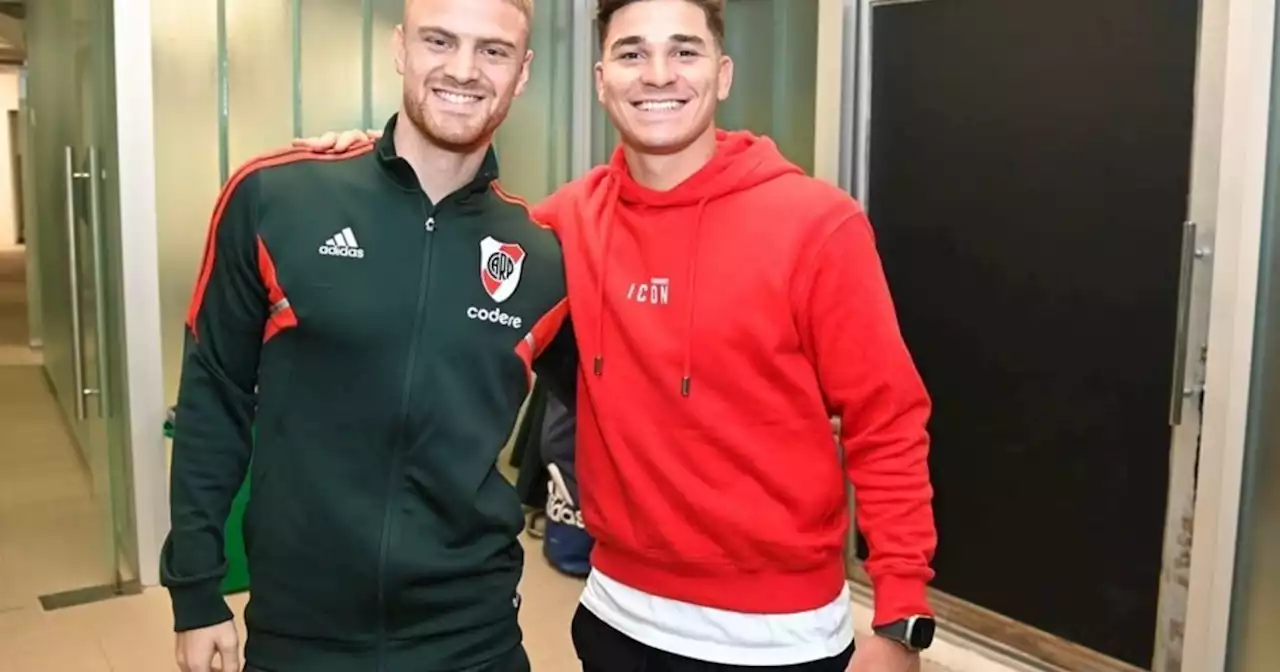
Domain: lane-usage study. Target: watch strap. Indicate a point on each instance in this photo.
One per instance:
(913, 632)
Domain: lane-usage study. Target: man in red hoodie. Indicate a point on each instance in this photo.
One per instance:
(725, 306)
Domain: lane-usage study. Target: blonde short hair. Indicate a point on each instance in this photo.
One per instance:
(525, 7)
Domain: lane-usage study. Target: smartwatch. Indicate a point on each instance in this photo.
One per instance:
(913, 632)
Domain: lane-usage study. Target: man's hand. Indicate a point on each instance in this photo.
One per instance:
(336, 143)
(877, 654)
(196, 648)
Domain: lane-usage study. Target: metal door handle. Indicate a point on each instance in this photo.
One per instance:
(99, 282)
(73, 265)
(1186, 273)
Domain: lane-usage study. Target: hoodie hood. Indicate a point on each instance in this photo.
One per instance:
(742, 161)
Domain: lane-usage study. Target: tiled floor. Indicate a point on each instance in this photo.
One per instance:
(49, 543)
(133, 634)
(46, 548)
(49, 524)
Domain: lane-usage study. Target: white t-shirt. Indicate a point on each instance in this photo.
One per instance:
(719, 636)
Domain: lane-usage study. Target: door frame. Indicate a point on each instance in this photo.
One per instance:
(144, 376)
(1244, 39)
(1225, 202)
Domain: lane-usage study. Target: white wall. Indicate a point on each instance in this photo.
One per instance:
(8, 101)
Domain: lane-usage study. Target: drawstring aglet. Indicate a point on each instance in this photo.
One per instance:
(598, 366)
(685, 384)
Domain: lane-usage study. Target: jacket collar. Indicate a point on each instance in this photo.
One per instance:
(402, 173)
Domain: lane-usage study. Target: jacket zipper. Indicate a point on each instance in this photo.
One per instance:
(393, 478)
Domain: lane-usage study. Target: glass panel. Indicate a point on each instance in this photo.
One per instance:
(750, 40)
(259, 77)
(72, 116)
(332, 65)
(795, 83)
(387, 14)
(109, 301)
(533, 143)
(52, 108)
(773, 44)
(604, 135)
(185, 62)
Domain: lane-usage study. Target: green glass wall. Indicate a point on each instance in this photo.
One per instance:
(534, 143)
(237, 78)
(774, 46)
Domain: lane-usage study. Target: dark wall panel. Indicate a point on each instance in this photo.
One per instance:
(1029, 173)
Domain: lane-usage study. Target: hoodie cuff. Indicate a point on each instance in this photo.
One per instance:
(898, 597)
(198, 605)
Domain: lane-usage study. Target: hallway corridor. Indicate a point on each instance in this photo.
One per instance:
(15, 337)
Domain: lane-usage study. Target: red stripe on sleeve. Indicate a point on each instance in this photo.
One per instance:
(277, 158)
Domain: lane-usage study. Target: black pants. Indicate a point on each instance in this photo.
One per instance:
(603, 649)
(514, 661)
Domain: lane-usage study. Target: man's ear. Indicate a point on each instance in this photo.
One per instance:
(724, 78)
(600, 82)
(525, 68)
(398, 47)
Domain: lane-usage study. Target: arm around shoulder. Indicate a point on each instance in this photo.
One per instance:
(553, 211)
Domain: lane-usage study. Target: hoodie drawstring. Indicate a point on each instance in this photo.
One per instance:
(607, 226)
(686, 382)
(741, 161)
(686, 377)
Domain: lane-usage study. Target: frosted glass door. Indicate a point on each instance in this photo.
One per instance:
(72, 139)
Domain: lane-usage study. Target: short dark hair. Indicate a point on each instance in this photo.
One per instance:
(714, 9)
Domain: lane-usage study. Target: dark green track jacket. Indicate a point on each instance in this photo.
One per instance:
(381, 346)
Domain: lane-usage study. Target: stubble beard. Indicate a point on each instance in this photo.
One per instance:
(463, 138)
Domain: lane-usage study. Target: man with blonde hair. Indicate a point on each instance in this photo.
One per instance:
(364, 328)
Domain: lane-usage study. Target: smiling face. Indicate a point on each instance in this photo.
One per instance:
(463, 61)
(661, 75)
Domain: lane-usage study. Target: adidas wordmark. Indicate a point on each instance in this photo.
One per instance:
(342, 245)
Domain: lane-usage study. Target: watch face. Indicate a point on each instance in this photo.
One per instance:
(921, 634)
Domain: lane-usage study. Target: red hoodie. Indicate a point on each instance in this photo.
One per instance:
(720, 324)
